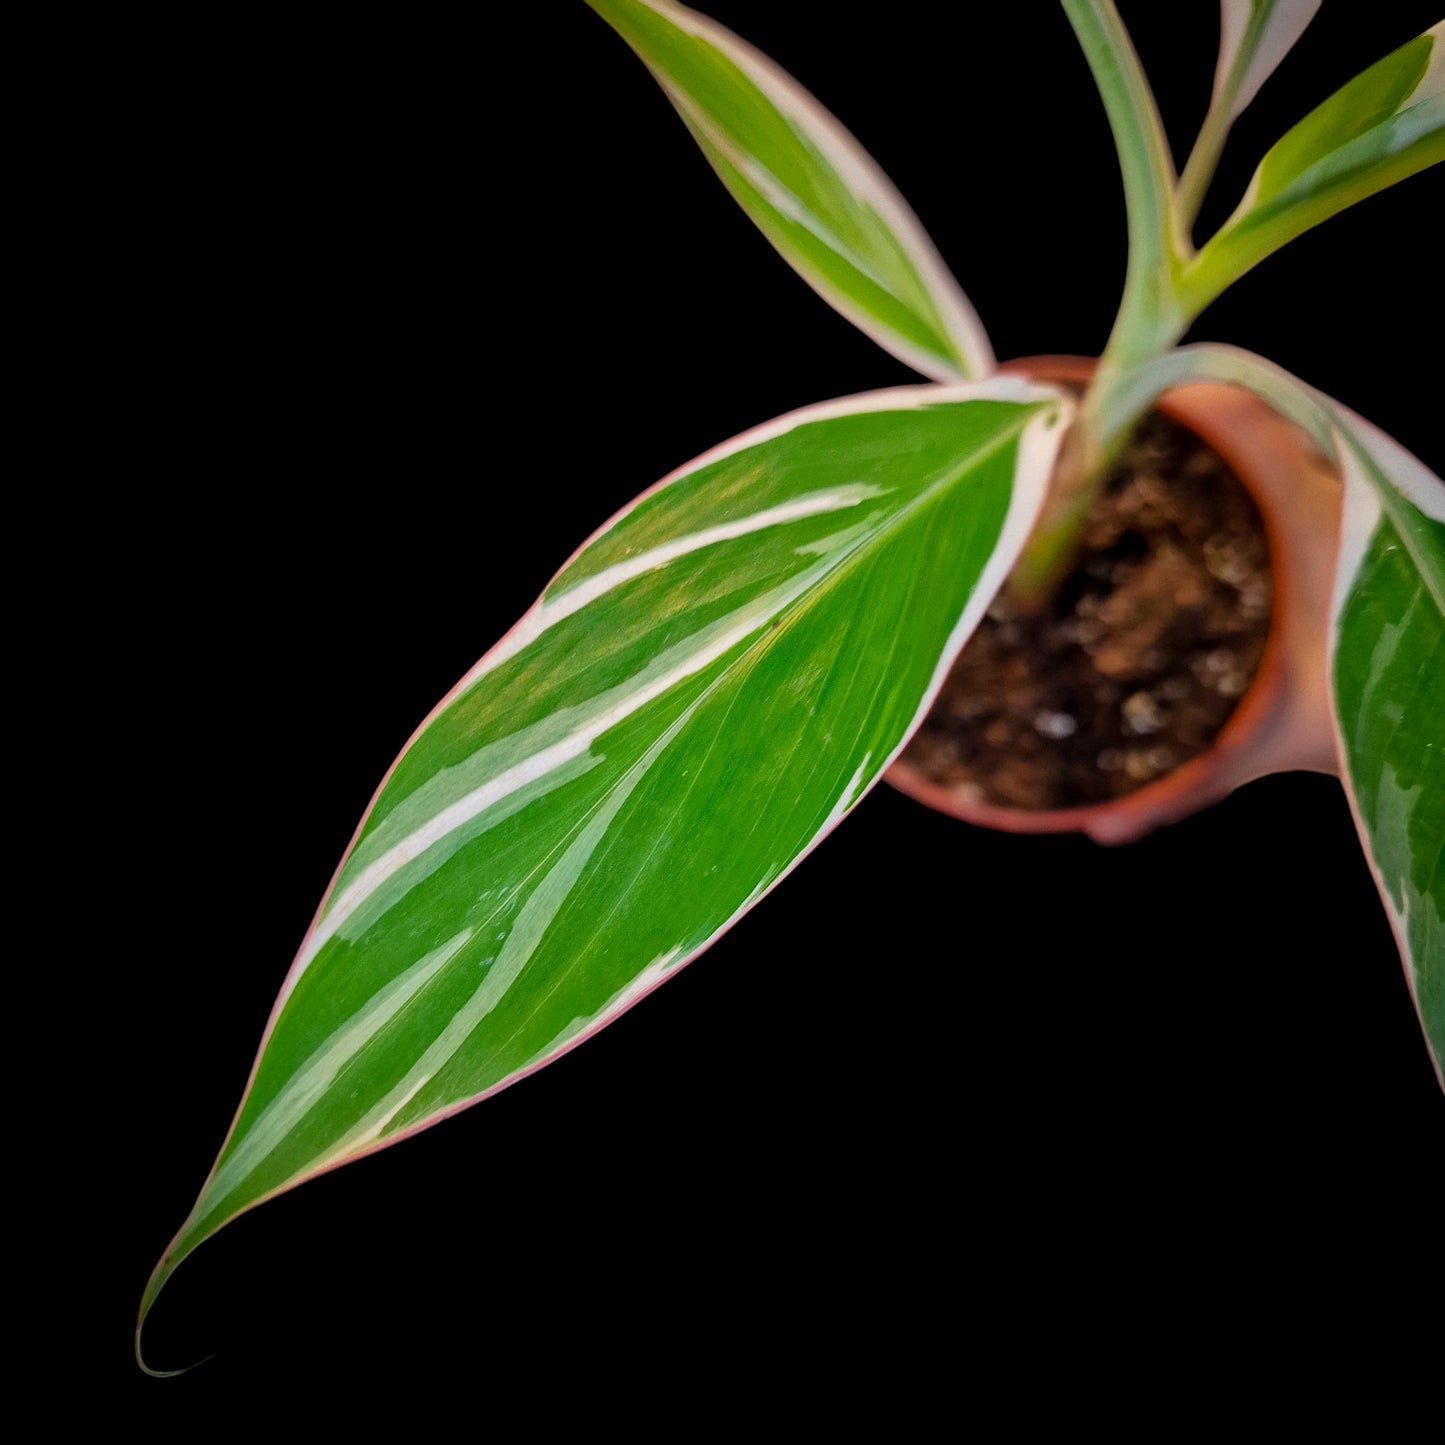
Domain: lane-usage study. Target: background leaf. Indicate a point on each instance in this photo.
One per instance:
(810, 187)
(702, 693)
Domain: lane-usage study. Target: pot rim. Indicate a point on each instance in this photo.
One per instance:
(1257, 722)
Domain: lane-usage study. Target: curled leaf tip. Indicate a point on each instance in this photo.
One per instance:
(157, 1282)
(165, 1374)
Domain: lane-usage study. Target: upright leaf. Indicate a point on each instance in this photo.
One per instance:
(1149, 317)
(1386, 124)
(1388, 674)
(701, 694)
(810, 187)
(1254, 36)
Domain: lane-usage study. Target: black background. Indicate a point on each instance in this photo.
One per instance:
(388, 321)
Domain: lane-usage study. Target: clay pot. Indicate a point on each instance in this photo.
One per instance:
(1282, 722)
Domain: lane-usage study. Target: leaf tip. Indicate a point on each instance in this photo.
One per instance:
(154, 1285)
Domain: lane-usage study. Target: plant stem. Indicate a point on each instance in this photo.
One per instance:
(1149, 319)
(1145, 167)
(1110, 410)
(1200, 167)
(1209, 144)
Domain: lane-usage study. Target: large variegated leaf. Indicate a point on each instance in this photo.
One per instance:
(705, 690)
(810, 187)
(1388, 673)
(1387, 652)
(1386, 124)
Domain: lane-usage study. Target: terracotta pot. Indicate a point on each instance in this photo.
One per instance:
(1282, 722)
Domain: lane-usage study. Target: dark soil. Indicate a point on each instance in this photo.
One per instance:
(1139, 660)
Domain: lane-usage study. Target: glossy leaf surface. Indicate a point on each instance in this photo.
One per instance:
(810, 188)
(1386, 124)
(702, 693)
(1388, 674)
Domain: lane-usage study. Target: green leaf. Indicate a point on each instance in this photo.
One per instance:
(1388, 676)
(1387, 651)
(1386, 124)
(701, 694)
(810, 187)
(1149, 318)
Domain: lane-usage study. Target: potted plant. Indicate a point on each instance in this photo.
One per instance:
(436, 961)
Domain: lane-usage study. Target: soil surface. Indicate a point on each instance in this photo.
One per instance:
(1139, 660)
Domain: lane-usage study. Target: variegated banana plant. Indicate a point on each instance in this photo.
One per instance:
(714, 680)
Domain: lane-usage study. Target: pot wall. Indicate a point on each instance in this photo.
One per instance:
(1282, 722)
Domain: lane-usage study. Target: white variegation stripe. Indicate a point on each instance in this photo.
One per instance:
(810, 504)
(556, 607)
(791, 206)
(1421, 116)
(1433, 80)
(831, 542)
(1406, 472)
(580, 1028)
(311, 1081)
(867, 181)
(854, 789)
(410, 875)
(1361, 516)
(396, 1102)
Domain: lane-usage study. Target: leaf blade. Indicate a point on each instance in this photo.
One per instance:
(1254, 36)
(812, 190)
(1386, 663)
(1387, 671)
(1149, 318)
(583, 814)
